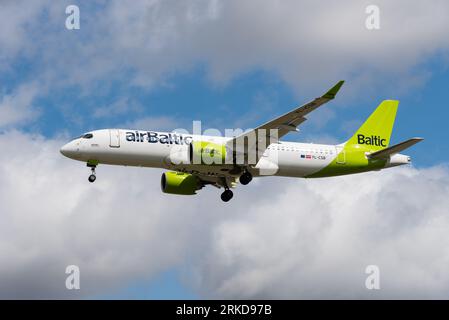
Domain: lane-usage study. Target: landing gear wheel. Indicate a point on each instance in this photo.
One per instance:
(227, 195)
(92, 177)
(245, 178)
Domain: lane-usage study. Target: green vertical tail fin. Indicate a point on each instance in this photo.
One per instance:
(376, 131)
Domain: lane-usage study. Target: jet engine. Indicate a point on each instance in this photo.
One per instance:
(180, 183)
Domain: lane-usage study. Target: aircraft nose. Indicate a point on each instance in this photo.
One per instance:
(68, 150)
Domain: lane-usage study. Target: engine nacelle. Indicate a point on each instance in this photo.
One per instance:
(180, 183)
(208, 153)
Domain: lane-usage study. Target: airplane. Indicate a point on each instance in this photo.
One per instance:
(194, 161)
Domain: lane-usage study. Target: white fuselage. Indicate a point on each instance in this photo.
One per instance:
(154, 149)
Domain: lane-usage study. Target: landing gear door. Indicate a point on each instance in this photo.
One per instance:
(341, 155)
(114, 136)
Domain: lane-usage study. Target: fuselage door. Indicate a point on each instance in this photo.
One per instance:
(341, 155)
(114, 138)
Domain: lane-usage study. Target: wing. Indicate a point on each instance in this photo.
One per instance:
(258, 139)
(385, 153)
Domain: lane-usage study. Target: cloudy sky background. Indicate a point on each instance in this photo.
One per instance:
(160, 64)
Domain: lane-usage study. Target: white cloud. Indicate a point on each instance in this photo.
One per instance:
(302, 239)
(163, 123)
(44, 229)
(120, 107)
(307, 43)
(15, 17)
(315, 239)
(17, 108)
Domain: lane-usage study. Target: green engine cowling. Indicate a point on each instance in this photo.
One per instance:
(180, 183)
(205, 152)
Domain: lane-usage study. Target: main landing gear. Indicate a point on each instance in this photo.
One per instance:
(245, 178)
(227, 195)
(93, 176)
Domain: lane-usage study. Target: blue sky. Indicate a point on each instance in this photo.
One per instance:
(155, 65)
(250, 99)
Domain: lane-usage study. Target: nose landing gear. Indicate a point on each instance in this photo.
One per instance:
(93, 176)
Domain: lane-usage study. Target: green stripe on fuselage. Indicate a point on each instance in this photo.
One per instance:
(350, 160)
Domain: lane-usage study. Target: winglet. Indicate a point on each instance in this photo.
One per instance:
(332, 92)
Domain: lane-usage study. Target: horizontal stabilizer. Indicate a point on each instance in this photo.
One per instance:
(385, 153)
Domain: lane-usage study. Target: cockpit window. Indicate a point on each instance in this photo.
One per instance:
(88, 136)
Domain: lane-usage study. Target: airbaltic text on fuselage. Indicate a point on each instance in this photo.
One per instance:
(371, 140)
(154, 137)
